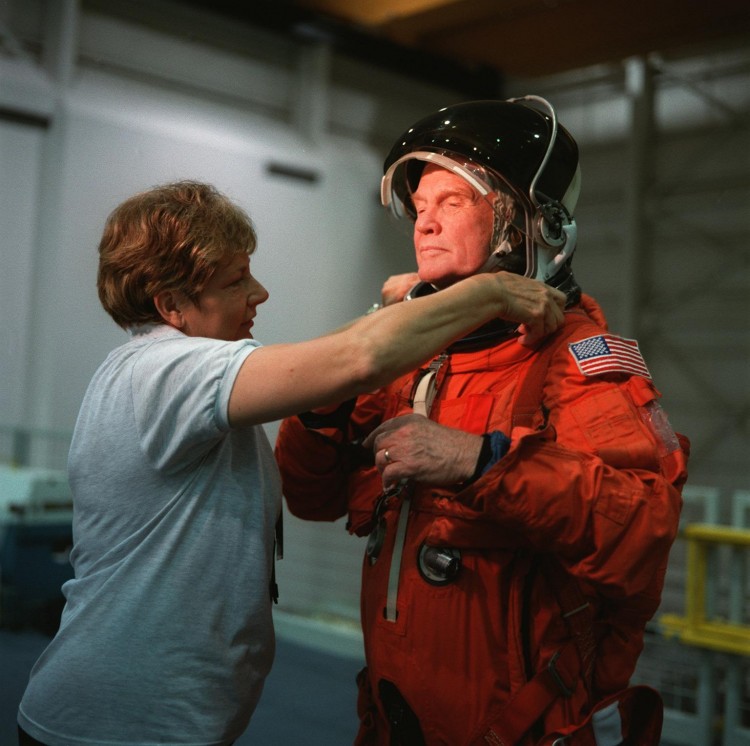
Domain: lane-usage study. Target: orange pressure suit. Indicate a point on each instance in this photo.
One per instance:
(591, 491)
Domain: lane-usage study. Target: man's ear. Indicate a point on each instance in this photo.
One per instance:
(168, 304)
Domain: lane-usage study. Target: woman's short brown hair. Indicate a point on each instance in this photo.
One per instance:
(171, 237)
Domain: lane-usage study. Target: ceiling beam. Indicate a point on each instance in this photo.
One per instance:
(528, 38)
(377, 13)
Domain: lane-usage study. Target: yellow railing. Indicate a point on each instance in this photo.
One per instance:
(699, 627)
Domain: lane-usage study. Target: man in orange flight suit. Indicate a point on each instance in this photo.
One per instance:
(520, 503)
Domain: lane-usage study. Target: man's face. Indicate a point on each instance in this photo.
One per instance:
(453, 228)
(227, 305)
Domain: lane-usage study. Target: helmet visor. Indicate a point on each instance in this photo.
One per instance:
(402, 179)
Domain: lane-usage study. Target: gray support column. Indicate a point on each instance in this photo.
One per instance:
(58, 60)
(311, 103)
(637, 246)
(61, 40)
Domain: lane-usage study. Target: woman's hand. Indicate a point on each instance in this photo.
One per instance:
(397, 286)
(538, 308)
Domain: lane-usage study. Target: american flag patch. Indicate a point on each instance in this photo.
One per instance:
(606, 353)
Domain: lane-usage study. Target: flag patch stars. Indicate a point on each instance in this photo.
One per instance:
(606, 353)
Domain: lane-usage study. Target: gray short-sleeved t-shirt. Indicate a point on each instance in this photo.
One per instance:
(166, 636)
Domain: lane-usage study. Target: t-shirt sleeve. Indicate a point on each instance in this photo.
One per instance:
(180, 391)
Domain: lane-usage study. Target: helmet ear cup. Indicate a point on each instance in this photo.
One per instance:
(548, 229)
(555, 235)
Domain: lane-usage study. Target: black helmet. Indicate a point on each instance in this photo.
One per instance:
(503, 149)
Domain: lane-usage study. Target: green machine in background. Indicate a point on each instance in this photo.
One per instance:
(36, 512)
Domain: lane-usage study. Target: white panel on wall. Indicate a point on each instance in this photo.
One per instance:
(20, 151)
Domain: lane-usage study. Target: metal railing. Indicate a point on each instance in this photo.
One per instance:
(698, 652)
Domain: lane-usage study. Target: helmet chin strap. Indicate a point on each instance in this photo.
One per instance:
(495, 259)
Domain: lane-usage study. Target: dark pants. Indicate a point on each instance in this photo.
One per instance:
(24, 739)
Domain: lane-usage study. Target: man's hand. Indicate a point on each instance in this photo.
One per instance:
(538, 308)
(413, 447)
(397, 286)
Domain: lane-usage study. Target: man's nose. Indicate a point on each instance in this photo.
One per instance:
(426, 222)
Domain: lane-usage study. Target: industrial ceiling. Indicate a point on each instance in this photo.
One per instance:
(478, 41)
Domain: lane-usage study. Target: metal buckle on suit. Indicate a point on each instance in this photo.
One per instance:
(377, 536)
(375, 541)
(557, 678)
